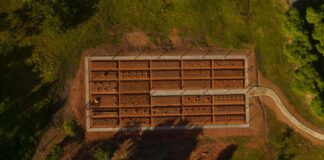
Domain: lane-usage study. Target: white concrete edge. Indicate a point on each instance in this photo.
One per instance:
(197, 92)
(263, 91)
(169, 57)
(164, 57)
(171, 127)
(86, 71)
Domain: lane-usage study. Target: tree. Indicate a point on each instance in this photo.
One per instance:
(70, 127)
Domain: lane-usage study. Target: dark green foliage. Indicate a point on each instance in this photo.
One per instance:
(70, 127)
(103, 153)
(301, 52)
(286, 144)
(55, 153)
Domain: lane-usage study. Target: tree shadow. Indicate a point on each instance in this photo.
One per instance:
(74, 12)
(227, 153)
(24, 104)
(157, 143)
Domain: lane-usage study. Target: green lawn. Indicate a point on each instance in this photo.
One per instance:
(54, 54)
(286, 143)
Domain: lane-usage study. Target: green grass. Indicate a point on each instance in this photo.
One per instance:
(244, 151)
(295, 144)
(55, 55)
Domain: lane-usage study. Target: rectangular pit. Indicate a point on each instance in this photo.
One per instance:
(134, 100)
(228, 84)
(104, 75)
(171, 74)
(166, 84)
(166, 100)
(196, 64)
(105, 100)
(120, 92)
(193, 100)
(196, 84)
(229, 73)
(228, 63)
(134, 64)
(134, 86)
(162, 64)
(104, 86)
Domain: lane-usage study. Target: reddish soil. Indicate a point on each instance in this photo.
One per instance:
(136, 77)
(136, 39)
(174, 144)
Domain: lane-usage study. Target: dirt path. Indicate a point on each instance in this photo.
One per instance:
(293, 121)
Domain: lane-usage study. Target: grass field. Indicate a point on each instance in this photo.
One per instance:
(54, 54)
(287, 144)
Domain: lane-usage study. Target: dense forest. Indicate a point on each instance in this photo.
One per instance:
(305, 27)
(41, 42)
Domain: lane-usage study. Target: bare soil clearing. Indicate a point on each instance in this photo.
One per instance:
(120, 92)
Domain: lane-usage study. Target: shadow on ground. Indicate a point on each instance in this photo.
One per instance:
(155, 144)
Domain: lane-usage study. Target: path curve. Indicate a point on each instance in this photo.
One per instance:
(264, 91)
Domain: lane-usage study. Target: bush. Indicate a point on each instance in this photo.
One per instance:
(56, 152)
(70, 127)
(103, 154)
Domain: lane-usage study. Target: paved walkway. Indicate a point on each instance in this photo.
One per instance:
(263, 91)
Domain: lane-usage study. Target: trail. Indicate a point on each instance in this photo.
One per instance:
(264, 91)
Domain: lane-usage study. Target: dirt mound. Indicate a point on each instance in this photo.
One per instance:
(136, 39)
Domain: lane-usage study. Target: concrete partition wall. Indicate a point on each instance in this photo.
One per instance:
(102, 112)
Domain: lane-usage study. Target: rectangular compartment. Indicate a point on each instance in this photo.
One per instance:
(228, 63)
(196, 63)
(103, 75)
(198, 119)
(196, 110)
(229, 99)
(196, 84)
(166, 74)
(164, 64)
(128, 74)
(134, 99)
(103, 64)
(166, 100)
(104, 86)
(228, 119)
(104, 122)
(138, 64)
(105, 112)
(135, 121)
(134, 86)
(159, 110)
(166, 84)
(167, 121)
(196, 74)
(192, 100)
(135, 111)
(228, 83)
(105, 100)
(229, 73)
(229, 109)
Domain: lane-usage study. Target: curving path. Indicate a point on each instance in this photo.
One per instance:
(264, 91)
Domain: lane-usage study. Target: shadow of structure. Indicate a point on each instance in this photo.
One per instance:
(157, 143)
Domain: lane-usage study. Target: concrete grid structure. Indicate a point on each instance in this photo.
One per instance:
(155, 93)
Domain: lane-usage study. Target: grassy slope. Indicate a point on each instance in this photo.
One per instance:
(300, 147)
(223, 23)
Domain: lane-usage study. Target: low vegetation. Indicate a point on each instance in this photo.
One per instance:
(286, 144)
(304, 50)
(56, 153)
(103, 153)
(70, 127)
(41, 43)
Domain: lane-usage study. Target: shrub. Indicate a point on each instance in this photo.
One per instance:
(103, 154)
(70, 127)
(55, 153)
